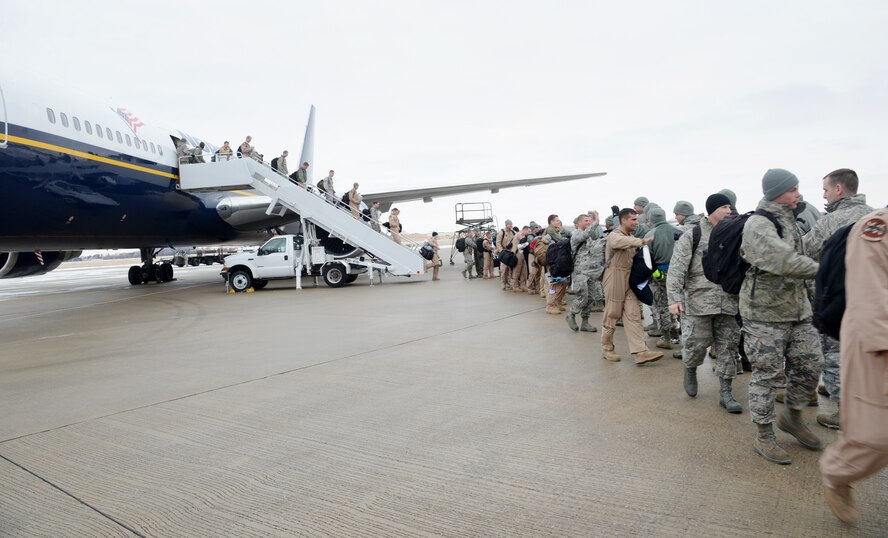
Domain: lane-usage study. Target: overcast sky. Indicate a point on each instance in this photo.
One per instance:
(674, 100)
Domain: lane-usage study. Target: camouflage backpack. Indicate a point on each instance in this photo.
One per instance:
(598, 262)
(539, 248)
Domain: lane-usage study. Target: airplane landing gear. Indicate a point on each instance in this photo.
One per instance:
(150, 271)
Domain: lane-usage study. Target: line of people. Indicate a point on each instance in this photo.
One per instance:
(766, 327)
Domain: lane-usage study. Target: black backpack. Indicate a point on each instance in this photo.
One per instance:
(427, 252)
(560, 258)
(722, 263)
(461, 244)
(508, 258)
(829, 284)
(274, 163)
(345, 198)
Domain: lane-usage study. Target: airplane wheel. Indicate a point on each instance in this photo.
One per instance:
(166, 271)
(259, 284)
(135, 275)
(156, 272)
(334, 275)
(240, 280)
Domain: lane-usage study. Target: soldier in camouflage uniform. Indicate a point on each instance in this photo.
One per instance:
(479, 253)
(581, 242)
(684, 214)
(844, 206)
(708, 314)
(661, 252)
(777, 317)
(469, 255)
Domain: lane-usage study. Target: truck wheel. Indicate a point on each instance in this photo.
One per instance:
(240, 280)
(259, 284)
(334, 275)
(135, 275)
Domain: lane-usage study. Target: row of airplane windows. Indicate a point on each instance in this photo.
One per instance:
(140, 144)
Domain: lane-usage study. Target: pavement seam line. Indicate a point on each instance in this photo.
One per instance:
(269, 376)
(78, 499)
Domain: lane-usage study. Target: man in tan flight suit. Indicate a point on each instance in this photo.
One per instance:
(504, 239)
(862, 448)
(435, 263)
(354, 202)
(395, 225)
(519, 272)
(620, 301)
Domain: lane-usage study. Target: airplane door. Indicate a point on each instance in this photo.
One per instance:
(273, 259)
(4, 122)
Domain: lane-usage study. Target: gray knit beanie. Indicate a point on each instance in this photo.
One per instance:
(647, 209)
(731, 196)
(641, 200)
(683, 208)
(776, 181)
(657, 215)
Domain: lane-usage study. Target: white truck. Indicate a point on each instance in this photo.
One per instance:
(285, 257)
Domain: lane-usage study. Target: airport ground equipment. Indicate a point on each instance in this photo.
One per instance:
(476, 216)
(332, 239)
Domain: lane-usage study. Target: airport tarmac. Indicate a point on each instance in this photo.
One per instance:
(412, 408)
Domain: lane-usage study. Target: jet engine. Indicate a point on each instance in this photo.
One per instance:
(16, 264)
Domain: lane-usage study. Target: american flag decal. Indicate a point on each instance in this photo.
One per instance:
(130, 119)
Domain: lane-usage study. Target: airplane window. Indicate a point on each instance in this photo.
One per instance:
(99, 130)
(64, 119)
(76, 123)
(128, 141)
(152, 148)
(108, 132)
(88, 127)
(160, 150)
(119, 138)
(50, 115)
(138, 144)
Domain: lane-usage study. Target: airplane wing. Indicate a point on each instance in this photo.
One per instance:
(386, 199)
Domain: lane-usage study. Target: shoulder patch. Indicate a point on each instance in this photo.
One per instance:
(874, 229)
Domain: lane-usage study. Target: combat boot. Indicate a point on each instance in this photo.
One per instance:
(572, 322)
(464, 274)
(727, 399)
(552, 309)
(610, 355)
(690, 381)
(790, 421)
(829, 421)
(677, 355)
(647, 356)
(650, 327)
(664, 342)
(655, 333)
(766, 446)
(585, 327)
(821, 389)
(812, 399)
(842, 504)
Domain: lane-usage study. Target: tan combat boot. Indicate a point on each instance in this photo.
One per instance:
(647, 356)
(610, 355)
(842, 505)
(552, 309)
(790, 421)
(765, 445)
(829, 421)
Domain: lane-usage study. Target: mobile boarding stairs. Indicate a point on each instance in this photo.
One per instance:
(314, 209)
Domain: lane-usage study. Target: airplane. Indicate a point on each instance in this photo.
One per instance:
(78, 174)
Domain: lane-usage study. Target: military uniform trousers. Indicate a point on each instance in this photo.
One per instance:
(660, 309)
(584, 298)
(519, 272)
(470, 264)
(627, 308)
(488, 264)
(505, 274)
(479, 263)
(720, 331)
(831, 358)
(768, 345)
